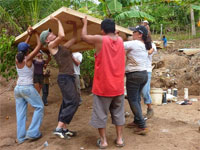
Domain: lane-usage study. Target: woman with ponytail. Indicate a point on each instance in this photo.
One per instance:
(26, 93)
(136, 75)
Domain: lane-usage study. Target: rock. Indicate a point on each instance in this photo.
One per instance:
(7, 142)
(127, 114)
(158, 64)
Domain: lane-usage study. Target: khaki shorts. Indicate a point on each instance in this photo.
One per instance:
(101, 107)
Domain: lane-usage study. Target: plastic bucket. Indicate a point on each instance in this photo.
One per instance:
(185, 93)
(156, 96)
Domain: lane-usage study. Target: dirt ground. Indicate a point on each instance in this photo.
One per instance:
(173, 127)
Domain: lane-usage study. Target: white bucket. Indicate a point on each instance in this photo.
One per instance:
(156, 96)
(186, 94)
(169, 91)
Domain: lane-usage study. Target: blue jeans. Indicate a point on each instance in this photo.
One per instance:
(23, 95)
(146, 90)
(135, 81)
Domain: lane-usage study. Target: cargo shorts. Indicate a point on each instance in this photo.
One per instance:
(101, 107)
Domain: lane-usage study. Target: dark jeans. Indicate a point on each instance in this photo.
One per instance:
(135, 81)
(70, 96)
(45, 93)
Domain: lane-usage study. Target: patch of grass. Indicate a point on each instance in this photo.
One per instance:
(177, 35)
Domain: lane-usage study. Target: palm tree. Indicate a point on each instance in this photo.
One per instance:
(22, 13)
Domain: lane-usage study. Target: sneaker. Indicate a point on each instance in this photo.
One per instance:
(149, 114)
(69, 133)
(60, 133)
(141, 131)
(46, 104)
(33, 139)
(132, 125)
(145, 118)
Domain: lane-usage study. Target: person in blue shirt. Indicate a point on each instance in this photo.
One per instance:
(164, 39)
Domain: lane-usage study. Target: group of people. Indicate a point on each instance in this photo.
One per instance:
(108, 82)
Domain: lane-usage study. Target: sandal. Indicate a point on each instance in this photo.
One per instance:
(99, 144)
(119, 145)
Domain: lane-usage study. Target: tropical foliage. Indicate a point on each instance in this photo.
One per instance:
(7, 55)
(87, 67)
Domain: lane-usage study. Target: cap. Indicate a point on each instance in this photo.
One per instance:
(43, 36)
(145, 21)
(23, 46)
(141, 29)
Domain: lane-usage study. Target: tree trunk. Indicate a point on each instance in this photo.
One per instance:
(192, 22)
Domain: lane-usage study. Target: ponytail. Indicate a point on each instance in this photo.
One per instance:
(147, 41)
(20, 56)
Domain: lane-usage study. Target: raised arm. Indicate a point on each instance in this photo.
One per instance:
(92, 39)
(73, 40)
(36, 49)
(61, 34)
(30, 31)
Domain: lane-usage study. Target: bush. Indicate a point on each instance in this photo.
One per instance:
(7, 55)
(87, 67)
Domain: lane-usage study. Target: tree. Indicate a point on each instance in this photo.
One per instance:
(192, 17)
(121, 10)
(192, 21)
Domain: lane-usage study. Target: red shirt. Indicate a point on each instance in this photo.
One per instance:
(109, 68)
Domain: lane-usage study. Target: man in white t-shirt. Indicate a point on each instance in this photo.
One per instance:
(77, 58)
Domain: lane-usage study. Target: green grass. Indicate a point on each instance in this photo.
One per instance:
(177, 36)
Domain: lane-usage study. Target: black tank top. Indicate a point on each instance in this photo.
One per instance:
(64, 60)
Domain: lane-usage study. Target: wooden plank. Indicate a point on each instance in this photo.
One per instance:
(65, 14)
(189, 51)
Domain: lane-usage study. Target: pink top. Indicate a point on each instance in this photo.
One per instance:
(109, 68)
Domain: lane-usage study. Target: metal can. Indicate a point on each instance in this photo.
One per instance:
(175, 92)
(164, 100)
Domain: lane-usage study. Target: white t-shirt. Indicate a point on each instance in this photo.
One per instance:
(79, 57)
(137, 56)
(149, 65)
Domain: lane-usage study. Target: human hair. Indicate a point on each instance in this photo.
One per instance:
(147, 41)
(20, 56)
(108, 26)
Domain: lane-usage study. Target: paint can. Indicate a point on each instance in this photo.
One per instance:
(175, 92)
(156, 96)
(185, 93)
(164, 99)
(169, 91)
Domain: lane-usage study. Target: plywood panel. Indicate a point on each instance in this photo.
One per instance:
(65, 14)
